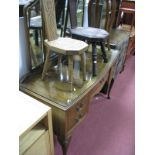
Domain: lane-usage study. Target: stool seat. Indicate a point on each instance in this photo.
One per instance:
(90, 33)
(67, 46)
(36, 22)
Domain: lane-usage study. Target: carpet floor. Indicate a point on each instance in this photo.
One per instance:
(109, 127)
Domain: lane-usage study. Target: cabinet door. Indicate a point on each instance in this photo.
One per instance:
(41, 146)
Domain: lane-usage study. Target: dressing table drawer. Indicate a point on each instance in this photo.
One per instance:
(77, 113)
(97, 88)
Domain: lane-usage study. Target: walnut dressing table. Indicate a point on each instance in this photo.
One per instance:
(69, 108)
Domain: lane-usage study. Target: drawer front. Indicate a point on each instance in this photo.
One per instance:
(41, 146)
(97, 88)
(77, 113)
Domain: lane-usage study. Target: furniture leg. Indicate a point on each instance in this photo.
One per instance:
(70, 66)
(103, 52)
(118, 19)
(59, 61)
(36, 37)
(109, 88)
(66, 20)
(64, 142)
(133, 20)
(108, 44)
(62, 23)
(83, 64)
(45, 65)
(94, 59)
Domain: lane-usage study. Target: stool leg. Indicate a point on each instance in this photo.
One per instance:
(108, 44)
(83, 65)
(45, 64)
(94, 59)
(36, 37)
(70, 66)
(103, 52)
(59, 61)
(118, 18)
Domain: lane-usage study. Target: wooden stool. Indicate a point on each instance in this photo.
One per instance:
(68, 47)
(59, 45)
(91, 35)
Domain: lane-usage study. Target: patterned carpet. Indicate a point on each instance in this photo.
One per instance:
(109, 128)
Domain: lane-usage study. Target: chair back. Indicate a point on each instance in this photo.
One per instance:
(72, 7)
(94, 13)
(110, 13)
(49, 19)
(97, 11)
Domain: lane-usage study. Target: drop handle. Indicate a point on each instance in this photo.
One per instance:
(79, 117)
(78, 109)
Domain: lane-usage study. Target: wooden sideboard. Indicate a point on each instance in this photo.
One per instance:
(35, 127)
(69, 108)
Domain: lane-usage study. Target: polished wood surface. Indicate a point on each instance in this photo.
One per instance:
(69, 102)
(67, 46)
(35, 127)
(56, 91)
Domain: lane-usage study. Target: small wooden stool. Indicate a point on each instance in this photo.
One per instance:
(59, 45)
(68, 47)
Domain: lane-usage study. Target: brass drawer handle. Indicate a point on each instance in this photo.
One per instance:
(79, 117)
(78, 109)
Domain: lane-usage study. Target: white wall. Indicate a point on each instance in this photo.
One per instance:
(24, 59)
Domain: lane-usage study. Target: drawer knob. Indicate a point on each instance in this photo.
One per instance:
(79, 117)
(78, 109)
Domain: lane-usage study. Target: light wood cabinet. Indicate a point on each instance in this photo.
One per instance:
(35, 127)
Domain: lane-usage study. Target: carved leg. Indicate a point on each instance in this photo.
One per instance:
(109, 88)
(94, 59)
(64, 142)
(83, 65)
(45, 64)
(103, 52)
